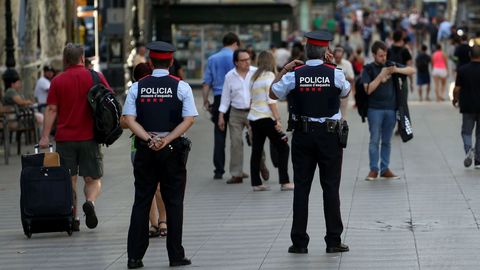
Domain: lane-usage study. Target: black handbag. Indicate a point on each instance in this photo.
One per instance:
(403, 114)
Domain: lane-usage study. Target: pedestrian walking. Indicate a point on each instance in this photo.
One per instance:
(236, 99)
(382, 105)
(313, 92)
(159, 109)
(400, 54)
(467, 96)
(347, 68)
(217, 66)
(265, 122)
(67, 103)
(422, 63)
(439, 72)
(462, 52)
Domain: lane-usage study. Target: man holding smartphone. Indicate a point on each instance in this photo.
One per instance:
(382, 106)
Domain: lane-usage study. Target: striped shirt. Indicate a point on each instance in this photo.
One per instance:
(259, 97)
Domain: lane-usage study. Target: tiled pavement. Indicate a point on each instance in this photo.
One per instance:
(426, 220)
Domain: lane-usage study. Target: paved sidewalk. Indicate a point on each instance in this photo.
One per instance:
(429, 219)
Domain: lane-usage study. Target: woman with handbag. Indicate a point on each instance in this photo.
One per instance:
(265, 122)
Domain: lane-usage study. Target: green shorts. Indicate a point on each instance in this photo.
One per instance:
(82, 157)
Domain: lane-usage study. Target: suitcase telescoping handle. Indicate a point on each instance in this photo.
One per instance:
(37, 148)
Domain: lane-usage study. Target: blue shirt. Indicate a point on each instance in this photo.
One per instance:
(283, 87)
(217, 66)
(184, 94)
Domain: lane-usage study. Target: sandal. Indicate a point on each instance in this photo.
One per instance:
(162, 231)
(154, 231)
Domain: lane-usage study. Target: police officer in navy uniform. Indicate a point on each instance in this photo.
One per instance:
(159, 109)
(313, 92)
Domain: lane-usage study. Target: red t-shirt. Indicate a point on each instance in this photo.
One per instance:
(68, 91)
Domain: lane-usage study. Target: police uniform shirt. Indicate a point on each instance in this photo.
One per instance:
(184, 94)
(283, 87)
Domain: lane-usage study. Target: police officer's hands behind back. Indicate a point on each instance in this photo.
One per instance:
(157, 143)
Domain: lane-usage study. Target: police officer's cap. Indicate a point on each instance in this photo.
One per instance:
(319, 38)
(160, 50)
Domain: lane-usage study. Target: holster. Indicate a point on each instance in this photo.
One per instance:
(290, 123)
(342, 132)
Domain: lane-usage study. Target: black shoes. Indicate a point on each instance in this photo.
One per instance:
(90, 217)
(338, 248)
(469, 158)
(297, 250)
(76, 225)
(218, 176)
(181, 262)
(134, 263)
(137, 263)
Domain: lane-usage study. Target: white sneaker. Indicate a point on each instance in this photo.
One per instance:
(469, 158)
(261, 188)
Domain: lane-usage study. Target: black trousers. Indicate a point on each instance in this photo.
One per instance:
(168, 168)
(317, 147)
(219, 138)
(261, 129)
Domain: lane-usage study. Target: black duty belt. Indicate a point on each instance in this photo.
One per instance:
(330, 125)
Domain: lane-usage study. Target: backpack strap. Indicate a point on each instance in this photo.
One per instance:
(95, 77)
(368, 68)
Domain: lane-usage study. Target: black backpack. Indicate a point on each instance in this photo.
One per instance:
(106, 112)
(361, 97)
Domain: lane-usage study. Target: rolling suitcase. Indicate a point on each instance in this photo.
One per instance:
(46, 194)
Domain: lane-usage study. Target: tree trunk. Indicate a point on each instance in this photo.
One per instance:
(53, 35)
(15, 7)
(2, 38)
(30, 50)
(2, 44)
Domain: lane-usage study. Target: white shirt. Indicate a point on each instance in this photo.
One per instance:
(282, 56)
(41, 90)
(347, 69)
(283, 87)
(236, 90)
(260, 108)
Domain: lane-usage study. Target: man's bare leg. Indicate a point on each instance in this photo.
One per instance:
(92, 190)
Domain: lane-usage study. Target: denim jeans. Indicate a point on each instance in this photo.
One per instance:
(469, 120)
(381, 124)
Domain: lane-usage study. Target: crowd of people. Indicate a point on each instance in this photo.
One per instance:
(315, 77)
